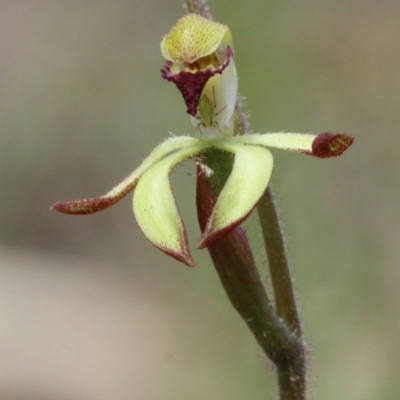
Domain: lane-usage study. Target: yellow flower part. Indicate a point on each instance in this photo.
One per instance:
(201, 63)
(193, 37)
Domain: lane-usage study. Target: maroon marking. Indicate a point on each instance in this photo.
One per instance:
(328, 144)
(83, 206)
(184, 257)
(91, 205)
(209, 237)
(191, 84)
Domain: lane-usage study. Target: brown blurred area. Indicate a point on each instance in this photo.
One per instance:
(88, 308)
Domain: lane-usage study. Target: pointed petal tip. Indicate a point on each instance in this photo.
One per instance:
(155, 208)
(203, 243)
(180, 251)
(328, 144)
(188, 260)
(247, 182)
(184, 256)
(210, 236)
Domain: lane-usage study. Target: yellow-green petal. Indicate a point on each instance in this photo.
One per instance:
(247, 182)
(323, 145)
(155, 208)
(167, 146)
(193, 37)
(95, 204)
(297, 142)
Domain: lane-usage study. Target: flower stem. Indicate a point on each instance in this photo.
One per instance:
(235, 265)
(198, 7)
(278, 265)
(277, 331)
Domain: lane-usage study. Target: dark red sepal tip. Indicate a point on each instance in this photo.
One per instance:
(84, 206)
(328, 144)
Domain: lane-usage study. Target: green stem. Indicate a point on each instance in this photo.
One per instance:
(234, 262)
(198, 7)
(235, 265)
(277, 332)
(278, 265)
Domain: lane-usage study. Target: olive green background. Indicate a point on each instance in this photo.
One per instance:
(88, 308)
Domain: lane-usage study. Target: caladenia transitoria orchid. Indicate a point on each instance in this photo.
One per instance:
(234, 169)
(201, 63)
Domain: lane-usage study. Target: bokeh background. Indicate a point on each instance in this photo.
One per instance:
(88, 308)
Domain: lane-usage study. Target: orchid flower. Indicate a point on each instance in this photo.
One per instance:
(200, 61)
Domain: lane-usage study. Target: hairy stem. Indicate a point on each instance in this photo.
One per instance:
(277, 331)
(278, 264)
(235, 265)
(234, 262)
(198, 7)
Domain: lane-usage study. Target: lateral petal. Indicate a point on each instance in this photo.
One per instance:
(155, 208)
(95, 204)
(323, 145)
(247, 182)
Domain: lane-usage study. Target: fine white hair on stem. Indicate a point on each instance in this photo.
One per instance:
(198, 7)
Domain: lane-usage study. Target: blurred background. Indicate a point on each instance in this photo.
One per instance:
(91, 310)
